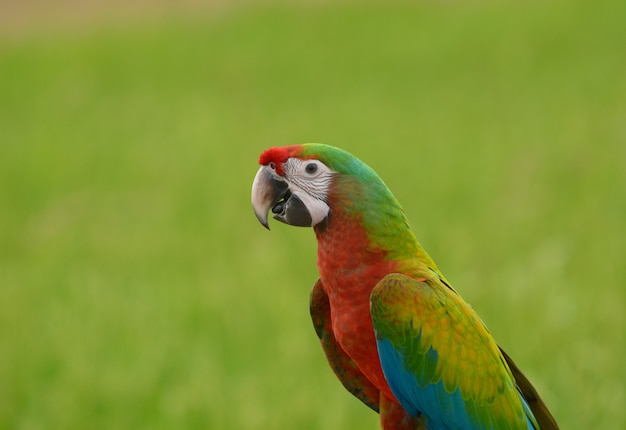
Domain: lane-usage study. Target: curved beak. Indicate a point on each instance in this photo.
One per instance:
(267, 190)
(271, 192)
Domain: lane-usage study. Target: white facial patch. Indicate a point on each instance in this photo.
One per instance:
(318, 209)
(310, 181)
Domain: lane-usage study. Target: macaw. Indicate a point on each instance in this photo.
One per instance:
(394, 331)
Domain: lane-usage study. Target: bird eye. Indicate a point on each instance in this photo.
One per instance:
(311, 168)
(272, 165)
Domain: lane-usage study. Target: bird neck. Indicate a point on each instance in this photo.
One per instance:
(366, 233)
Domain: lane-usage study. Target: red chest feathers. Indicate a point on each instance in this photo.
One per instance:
(350, 267)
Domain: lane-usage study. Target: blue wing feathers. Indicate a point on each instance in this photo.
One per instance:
(446, 410)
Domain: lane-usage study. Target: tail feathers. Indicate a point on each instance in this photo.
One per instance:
(539, 409)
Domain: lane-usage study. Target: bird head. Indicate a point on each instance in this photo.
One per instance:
(294, 184)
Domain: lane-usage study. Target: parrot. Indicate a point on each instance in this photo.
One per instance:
(395, 332)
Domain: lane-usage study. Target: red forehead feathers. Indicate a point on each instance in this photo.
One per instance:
(279, 154)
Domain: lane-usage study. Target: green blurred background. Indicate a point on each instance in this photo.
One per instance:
(137, 289)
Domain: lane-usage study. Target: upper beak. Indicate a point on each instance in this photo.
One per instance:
(267, 190)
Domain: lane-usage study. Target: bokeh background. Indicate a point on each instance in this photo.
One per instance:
(137, 289)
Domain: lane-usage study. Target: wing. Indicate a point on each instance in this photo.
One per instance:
(343, 366)
(440, 360)
(544, 418)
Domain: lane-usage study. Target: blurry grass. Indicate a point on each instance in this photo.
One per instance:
(138, 291)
